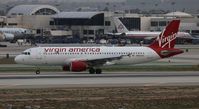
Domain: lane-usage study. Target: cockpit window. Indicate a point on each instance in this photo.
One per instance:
(26, 53)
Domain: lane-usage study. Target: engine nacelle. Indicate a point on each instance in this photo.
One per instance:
(2, 36)
(76, 66)
(6, 37)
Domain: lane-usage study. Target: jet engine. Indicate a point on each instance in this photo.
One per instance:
(6, 36)
(76, 66)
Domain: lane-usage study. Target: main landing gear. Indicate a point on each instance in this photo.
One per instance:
(91, 71)
(95, 71)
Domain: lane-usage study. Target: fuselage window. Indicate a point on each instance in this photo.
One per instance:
(26, 53)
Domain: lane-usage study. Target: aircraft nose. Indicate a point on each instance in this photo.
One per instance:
(18, 59)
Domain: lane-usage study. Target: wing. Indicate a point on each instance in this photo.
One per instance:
(101, 61)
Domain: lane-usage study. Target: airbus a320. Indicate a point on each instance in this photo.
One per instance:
(77, 59)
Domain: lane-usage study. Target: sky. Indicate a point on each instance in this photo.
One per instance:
(186, 5)
(4, 1)
(176, 5)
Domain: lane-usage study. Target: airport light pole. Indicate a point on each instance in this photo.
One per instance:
(173, 3)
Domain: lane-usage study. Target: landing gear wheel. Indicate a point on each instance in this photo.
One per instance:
(98, 71)
(37, 72)
(92, 71)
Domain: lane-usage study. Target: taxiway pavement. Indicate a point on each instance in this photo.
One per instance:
(107, 79)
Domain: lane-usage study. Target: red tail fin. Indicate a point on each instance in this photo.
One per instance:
(167, 38)
(165, 42)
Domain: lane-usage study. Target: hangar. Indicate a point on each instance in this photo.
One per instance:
(33, 10)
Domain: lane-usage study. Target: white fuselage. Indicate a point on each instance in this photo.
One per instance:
(146, 34)
(8, 34)
(65, 55)
(14, 31)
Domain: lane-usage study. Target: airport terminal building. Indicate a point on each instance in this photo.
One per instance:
(48, 20)
(84, 24)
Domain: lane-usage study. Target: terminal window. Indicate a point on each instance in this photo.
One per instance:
(107, 23)
(162, 23)
(91, 32)
(131, 23)
(154, 23)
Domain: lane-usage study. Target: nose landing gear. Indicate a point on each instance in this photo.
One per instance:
(37, 71)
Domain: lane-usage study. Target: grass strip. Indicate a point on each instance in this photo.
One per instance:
(109, 68)
(147, 97)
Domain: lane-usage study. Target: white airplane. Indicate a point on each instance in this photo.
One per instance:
(79, 59)
(8, 34)
(122, 30)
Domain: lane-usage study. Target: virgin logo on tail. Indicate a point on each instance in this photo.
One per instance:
(166, 41)
(167, 38)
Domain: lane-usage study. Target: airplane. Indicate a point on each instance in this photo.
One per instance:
(77, 59)
(8, 34)
(122, 30)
